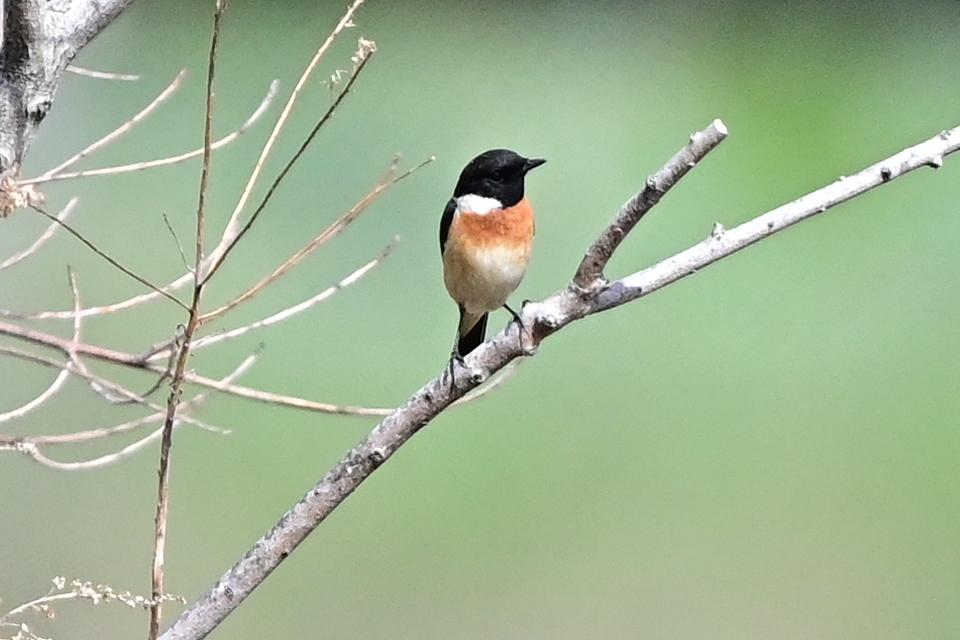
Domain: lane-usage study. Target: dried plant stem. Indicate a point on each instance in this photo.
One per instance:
(231, 242)
(233, 224)
(102, 75)
(42, 238)
(330, 232)
(192, 326)
(113, 135)
(160, 162)
(139, 362)
(79, 236)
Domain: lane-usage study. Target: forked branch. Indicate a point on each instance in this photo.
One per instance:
(586, 295)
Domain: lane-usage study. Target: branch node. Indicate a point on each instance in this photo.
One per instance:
(886, 174)
(376, 457)
(935, 162)
(717, 232)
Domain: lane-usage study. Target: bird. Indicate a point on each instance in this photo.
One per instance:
(486, 235)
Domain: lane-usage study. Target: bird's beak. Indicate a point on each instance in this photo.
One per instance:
(532, 163)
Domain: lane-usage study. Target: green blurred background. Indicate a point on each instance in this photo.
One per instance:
(768, 449)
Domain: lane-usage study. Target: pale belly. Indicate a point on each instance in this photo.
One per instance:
(482, 279)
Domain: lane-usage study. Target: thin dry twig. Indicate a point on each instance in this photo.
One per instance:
(78, 590)
(106, 257)
(139, 362)
(280, 316)
(102, 75)
(161, 162)
(539, 320)
(42, 239)
(7, 441)
(192, 326)
(113, 135)
(77, 360)
(233, 224)
(367, 50)
(234, 221)
(330, 232)
(31, 446)
(58, 381)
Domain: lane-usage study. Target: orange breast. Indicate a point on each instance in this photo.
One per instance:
(486, 255)
(511, 226)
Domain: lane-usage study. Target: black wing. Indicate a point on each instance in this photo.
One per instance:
(445, 221)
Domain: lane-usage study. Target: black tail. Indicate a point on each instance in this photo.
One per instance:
(473, 338)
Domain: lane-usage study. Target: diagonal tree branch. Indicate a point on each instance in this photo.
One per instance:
(540, 320)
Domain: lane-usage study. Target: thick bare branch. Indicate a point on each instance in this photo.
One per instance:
(40, 38)
(540, 320)
(590, 273)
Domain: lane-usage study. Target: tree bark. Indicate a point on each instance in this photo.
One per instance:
(38, 39)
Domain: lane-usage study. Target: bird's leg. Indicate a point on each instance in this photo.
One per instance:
(516, 316)
(520, 327)
(455, 358)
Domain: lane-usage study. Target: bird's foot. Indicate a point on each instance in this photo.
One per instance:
(527, 345)
(455, 359)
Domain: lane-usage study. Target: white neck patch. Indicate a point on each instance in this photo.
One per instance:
(473, 203)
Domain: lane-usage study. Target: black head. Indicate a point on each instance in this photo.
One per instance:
(497, 173)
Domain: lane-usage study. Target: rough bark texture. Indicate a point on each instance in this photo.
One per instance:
(39, 39)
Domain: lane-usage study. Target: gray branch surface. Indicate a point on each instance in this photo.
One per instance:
(589, 292)
(39, 39)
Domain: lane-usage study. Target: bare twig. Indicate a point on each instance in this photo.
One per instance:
(7, 441)
(540, 320)
(66, 346)
(330, 232)
(57, 383)
(31, 446)
(138, 362)
(113, 135)
(176, 239)
(102, 75)
(233, 224)
(280, 316)
(106, 257)
(221, 254)
(590, 272)
(77, 360)
(42, 239)
(160, 162)
(192, 326)
(78, 590)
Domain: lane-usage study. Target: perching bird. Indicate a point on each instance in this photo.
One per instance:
(486, 234)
